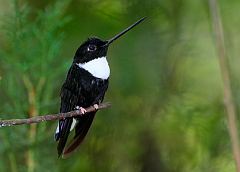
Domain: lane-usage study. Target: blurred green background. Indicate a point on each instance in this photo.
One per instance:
(167, 111)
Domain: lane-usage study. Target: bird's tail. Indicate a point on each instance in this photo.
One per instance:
(81, 129)
(63, 135)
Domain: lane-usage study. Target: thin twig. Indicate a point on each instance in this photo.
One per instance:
(228, 97)
(51, 117)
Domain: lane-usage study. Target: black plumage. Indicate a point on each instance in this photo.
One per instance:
(81, 89)
(86, 83)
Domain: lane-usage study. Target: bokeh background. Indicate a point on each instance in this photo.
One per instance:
(167, 111)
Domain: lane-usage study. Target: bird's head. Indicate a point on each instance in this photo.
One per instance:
(95, 48)
(92, 48)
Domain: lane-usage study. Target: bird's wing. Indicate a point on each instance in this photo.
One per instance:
(69, 99)
(83, 125)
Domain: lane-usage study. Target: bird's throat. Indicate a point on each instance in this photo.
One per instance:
(97, 67)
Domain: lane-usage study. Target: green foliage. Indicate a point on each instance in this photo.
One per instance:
(165, 85)
(29, 72)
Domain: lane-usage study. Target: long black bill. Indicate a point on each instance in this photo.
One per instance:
(124, 31)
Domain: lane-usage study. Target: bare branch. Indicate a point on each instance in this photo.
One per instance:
(51, 117)
(228, 97)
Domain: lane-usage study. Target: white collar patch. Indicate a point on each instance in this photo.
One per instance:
(97, 67)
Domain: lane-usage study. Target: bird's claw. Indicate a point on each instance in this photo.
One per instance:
(95, 106)
(83, 111)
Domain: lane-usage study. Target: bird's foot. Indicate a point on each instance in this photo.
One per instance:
(95, 106)
(83, 111)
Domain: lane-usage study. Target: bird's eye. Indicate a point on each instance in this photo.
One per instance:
(91, 48)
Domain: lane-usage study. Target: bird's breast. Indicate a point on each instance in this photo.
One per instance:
(97, 67)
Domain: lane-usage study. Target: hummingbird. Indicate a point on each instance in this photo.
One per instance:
(85, 85)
